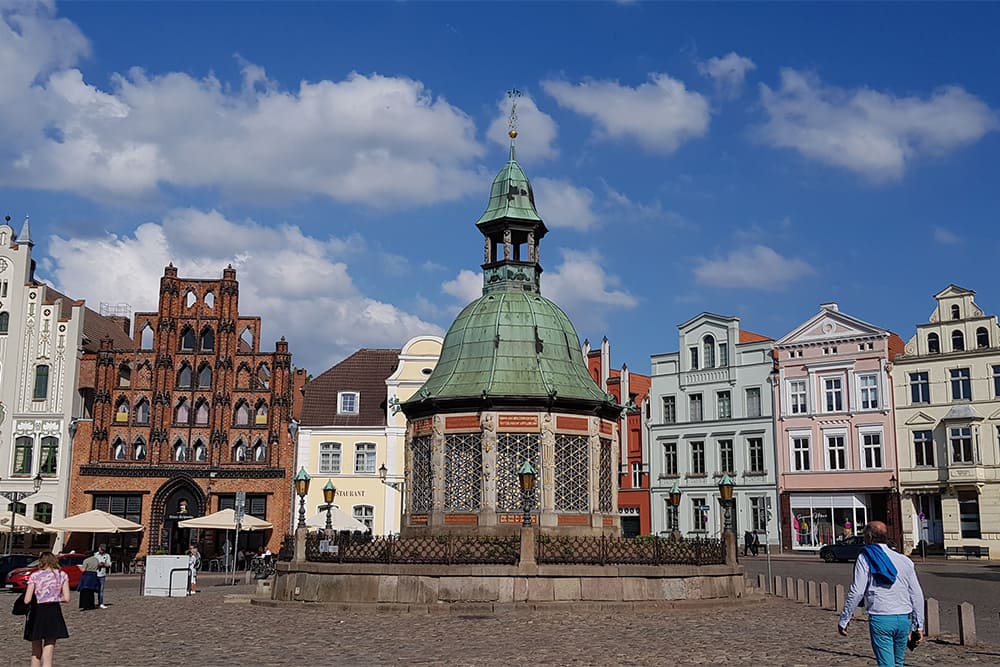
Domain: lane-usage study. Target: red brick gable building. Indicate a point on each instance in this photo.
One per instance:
(183, 417)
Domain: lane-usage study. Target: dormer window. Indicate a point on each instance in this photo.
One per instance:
(347, 403)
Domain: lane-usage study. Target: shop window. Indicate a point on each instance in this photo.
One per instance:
(126, 506)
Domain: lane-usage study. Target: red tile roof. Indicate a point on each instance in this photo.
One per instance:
(751, 337)
(95, 326)
(365, 372)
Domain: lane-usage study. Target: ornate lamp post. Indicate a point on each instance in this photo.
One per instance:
(16, 497)
(302, 489)
(329, 493)
(675, 502)
(526, 476)
(728, 504)
(894, 515)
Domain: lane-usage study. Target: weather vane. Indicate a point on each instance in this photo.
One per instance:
(512, 95)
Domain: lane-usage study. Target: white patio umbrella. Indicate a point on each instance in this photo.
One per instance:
(339, 519)
(225, 520)
(24, 524)
(95, 521)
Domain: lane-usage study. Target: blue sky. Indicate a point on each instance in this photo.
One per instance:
(744, 159)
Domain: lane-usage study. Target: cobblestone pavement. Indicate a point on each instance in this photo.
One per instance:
(206, 630)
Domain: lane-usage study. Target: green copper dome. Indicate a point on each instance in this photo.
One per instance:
(511, 347)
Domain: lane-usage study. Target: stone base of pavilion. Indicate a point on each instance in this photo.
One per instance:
(436, 584)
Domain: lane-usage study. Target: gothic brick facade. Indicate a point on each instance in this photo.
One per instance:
(188, 415)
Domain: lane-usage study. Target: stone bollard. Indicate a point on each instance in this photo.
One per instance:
(824, 596)
(841, 598)
(778, 588)
(789, 588)
(813, 597)
(932, 617)
(762, 583)
(800, 590)
(966, 624)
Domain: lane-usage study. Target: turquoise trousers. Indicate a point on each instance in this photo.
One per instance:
(889, 634)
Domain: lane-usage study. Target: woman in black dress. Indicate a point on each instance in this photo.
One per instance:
(48, 588)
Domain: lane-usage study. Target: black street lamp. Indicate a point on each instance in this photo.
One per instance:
(302, 489)
(15, 497)
(329, 493)
(526, 476)
(675, 502)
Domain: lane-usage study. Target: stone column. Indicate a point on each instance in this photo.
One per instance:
(488, 514)
(547, 447)
(437, 470)
(594, 447)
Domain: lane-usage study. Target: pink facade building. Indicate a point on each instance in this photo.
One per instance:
(834, 429)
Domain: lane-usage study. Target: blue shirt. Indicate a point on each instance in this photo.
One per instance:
(903, 597)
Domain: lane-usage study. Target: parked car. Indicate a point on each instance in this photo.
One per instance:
(846, 549)
(17, 579)
(12, 562)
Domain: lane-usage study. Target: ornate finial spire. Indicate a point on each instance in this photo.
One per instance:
(513, 94)
(25, 235)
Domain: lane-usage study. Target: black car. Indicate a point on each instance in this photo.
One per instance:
(12, 562)
(846, 549)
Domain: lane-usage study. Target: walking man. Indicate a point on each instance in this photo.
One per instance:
(103, 567)
(895, 601)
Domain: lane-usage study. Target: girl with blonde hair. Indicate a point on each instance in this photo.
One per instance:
(48, 587)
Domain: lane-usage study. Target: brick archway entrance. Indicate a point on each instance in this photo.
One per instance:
(178, 499)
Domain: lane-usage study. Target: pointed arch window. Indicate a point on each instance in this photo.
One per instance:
(201, 412)
(260, 416)
(263, 377)
(182, 414)
(180, 451)
(246, 340)
(205, 376)
(210, 299)
(243, 376)
(187, 340)
(146, 338)
(207, 340)
(260, 452)
(4, 322)
(239, 452)
(957, 341)
(242, 414)
(142, 411)
(982, 337)
(200, 451)
(139, 449)
(121, 411)
(41, 391)
(124, 375)
(933, 343)
(184, 376)
(118, 450)
(708, 350)
(190, 298)
(48, 460)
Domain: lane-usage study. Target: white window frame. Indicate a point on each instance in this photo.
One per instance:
(364, 458)
(751, 456)
(365, 514)
(828, 393)
(868, 395)
(760, 408)
(863, 435)
(670, 455)
(670, 401)
(794, 406)
(724, 397)
(335, 451)
(356, 396)
(703, 462)
(924, 384)
(732, 455)
(793, 439)
(841, 448)
(636, 475)
(967, 380)
(924, 445)
(961, 436)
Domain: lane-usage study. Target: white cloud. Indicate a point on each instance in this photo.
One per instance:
(753, 267)
(946, 236)
(869, 132)
(296, 283)
(536, 130)
(562, 204)
(660, 115)
(579, 285)
(378, 140)
(728, 72)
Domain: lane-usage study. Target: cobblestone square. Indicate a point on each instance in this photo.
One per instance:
(206, 630)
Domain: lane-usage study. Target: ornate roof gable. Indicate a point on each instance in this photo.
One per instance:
(829, 324)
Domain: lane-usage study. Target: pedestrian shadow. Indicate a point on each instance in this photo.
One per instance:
(846, 654)
(982, 576)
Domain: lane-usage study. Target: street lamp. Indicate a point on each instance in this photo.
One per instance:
(383, 473)
(302, 489)
(526, 476)
(726, 485)
(675, 502)
(15, 497)
(329, 492)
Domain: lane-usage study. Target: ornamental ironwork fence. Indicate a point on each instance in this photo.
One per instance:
(440, 550)
(586, 550)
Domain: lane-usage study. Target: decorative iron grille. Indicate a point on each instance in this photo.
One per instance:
(513, 449)
(287, 551)
(422, 493)
(572, 474)
(605, 480)
(442, 549)
(463, 472)
(586, 550)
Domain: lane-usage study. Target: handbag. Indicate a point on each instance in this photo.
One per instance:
(20, 607)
